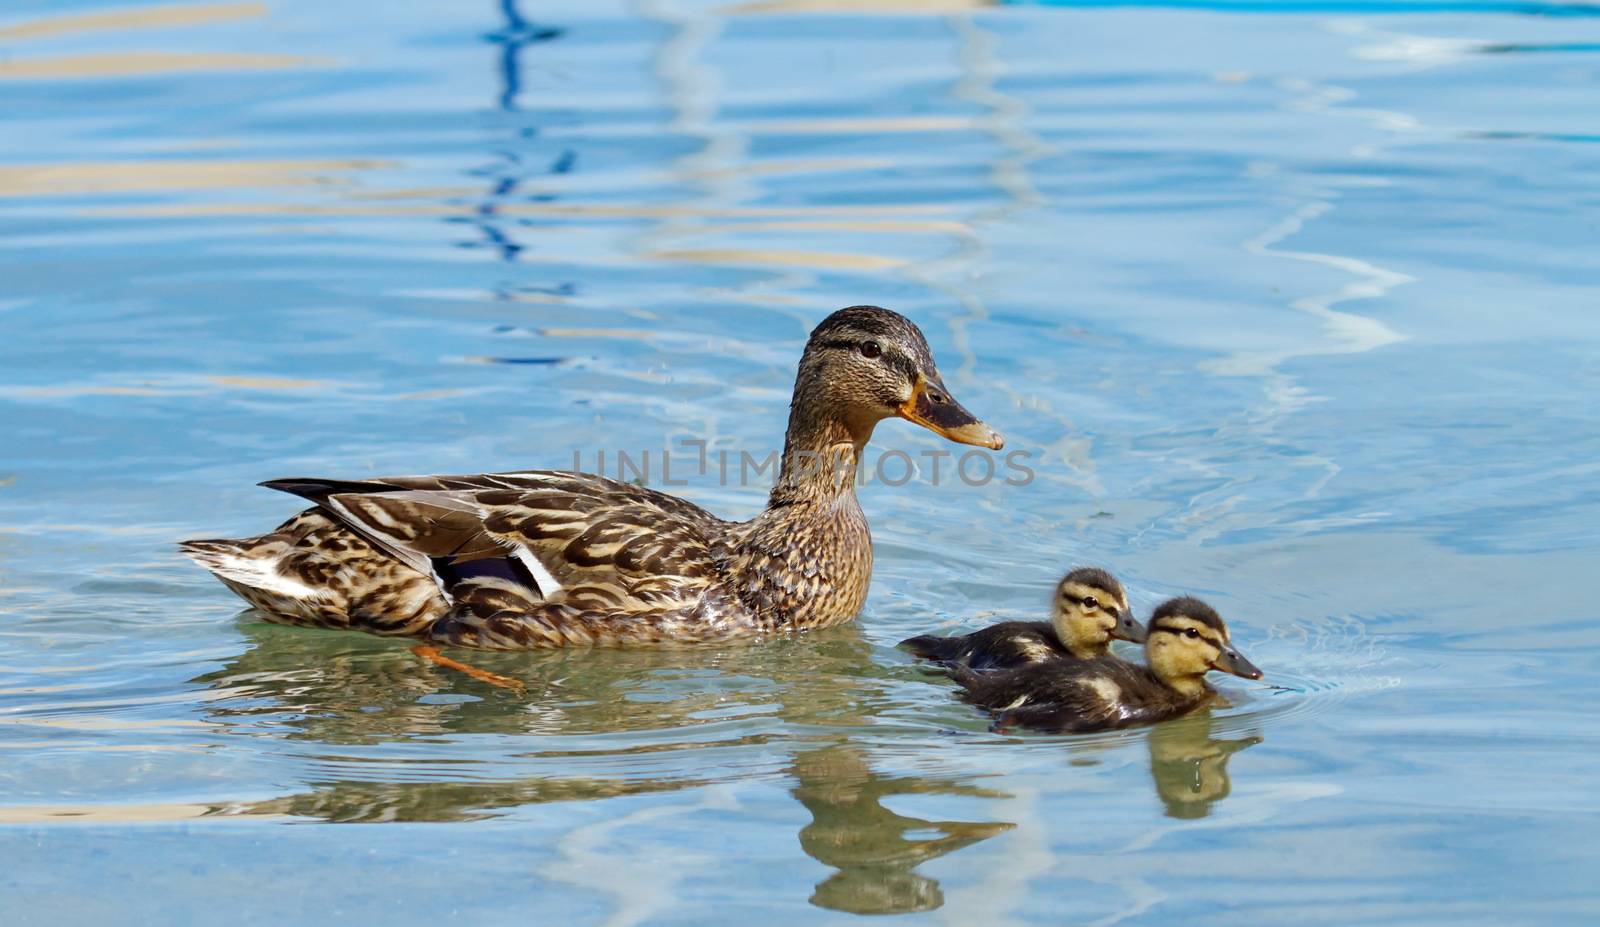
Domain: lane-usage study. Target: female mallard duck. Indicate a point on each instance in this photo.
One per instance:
(1089, 609)
(546, 558)
(1186, 640)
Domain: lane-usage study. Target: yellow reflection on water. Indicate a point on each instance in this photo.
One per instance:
(268, 383)
(133, 64)
(81, 722)
(78, 178)
(176, 386)
(146, 17)
(511, 209)
(103, 814)
(70, 391)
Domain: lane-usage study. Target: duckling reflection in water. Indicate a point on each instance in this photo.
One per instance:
(1186, 640)
(1089, 610)
(1190, 767)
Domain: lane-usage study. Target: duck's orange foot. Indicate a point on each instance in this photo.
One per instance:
(432, 655)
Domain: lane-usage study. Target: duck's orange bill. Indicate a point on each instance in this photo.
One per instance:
(932, 407)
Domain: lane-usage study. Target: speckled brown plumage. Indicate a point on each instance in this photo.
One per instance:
(551, 559)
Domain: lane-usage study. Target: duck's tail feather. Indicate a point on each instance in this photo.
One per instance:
(230, 560)
(318, 490)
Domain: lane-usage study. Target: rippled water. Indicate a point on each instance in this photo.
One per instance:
(1291, 306)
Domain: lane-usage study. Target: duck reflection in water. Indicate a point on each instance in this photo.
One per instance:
(1189, 766)
(352, 691)
(341, 688)
(874, 849)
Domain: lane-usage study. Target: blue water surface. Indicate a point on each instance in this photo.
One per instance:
(1289, 305)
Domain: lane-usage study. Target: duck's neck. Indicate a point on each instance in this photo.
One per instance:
(806, 561)
(820, 454)
(1190, 687)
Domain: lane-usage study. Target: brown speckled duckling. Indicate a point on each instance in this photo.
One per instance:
(546, 558)
(1088, 610)
(1187, 639)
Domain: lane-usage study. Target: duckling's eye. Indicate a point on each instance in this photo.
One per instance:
(1191, 632)
(1090, 602)
(871, 349)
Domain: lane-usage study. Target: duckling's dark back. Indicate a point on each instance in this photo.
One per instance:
(1106, 693)
(1000, 646)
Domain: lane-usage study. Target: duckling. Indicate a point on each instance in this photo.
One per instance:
(1186, 640)
(1089, 609)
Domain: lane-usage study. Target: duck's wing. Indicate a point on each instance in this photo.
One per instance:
(544, 530)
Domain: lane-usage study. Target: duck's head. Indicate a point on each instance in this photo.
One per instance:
(865, 364)
(1189, 639)
(1089, 610)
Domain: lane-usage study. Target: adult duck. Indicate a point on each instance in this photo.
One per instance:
(544, 558)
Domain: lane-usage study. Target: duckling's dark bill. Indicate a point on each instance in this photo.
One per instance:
(1130, 629)
(1232, 661)
(932, 407)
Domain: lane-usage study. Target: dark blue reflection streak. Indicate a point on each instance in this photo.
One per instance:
(516, 35)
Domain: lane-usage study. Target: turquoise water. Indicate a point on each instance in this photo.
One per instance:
(1291, 305)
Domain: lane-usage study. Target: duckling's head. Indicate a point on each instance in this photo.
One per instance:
(1189, 639)
(1089, 610)
(865, 364)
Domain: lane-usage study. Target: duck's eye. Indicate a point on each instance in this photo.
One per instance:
(871, 349)
(1191, 632)
(1090, 602)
